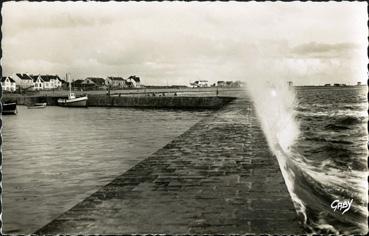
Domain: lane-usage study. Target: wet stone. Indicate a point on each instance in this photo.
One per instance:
(219, 177)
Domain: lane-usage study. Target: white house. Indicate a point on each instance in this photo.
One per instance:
(200, 84)
(38, 82)
(24, 81)
(46, 82)
(51, 81)
(116, 82)
(8, 84)
(134, 81)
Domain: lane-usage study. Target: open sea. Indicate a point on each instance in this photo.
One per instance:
(328, 161)
(55, 157)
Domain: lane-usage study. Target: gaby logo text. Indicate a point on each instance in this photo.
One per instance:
(343, 206)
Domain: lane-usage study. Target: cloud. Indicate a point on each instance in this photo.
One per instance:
(325, 50)
(179, 42)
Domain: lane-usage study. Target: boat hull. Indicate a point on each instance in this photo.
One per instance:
(75, 102)
(9, 109)
(37, 106)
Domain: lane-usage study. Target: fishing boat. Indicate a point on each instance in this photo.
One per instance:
(38, 105)
(9, 108)
(73, 100)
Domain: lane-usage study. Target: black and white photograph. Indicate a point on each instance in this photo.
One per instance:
(184, 117)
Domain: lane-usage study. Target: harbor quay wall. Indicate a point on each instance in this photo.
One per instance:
(159, 102)
(212, 91)
(100, 100)
(219, 177)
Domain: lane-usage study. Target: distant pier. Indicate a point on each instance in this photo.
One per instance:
(153, 98)
(217, 177)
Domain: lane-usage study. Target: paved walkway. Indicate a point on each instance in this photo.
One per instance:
(218, 177)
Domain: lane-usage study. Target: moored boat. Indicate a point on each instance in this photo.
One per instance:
(9, 108)
(72, 100)
(38, 105)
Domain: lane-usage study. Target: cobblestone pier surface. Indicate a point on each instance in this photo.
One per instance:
(217, 177)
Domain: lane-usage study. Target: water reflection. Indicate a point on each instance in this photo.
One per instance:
(55, 157)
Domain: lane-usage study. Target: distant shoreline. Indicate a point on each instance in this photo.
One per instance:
(160, 89)
(155, 92)
(328, 87)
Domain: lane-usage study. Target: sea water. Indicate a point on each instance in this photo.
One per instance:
(331, 157)
(55, 157)
(319, 136)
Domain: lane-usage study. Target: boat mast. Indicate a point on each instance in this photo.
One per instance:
(70, 85)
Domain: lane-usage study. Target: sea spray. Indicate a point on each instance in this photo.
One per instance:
(312, 185)
(274, 102)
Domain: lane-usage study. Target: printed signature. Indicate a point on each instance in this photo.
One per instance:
(343, 206)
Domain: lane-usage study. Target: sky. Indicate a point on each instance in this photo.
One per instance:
(177, 43)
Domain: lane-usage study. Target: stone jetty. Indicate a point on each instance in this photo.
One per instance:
(167, 102)
(217, 177)
(173, 102)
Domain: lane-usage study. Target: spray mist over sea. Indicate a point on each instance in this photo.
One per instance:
(274, 102)
(319, 138)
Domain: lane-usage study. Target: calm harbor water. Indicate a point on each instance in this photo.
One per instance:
(55, 157)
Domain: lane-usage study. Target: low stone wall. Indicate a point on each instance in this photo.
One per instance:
(159, 102)
(174, 102)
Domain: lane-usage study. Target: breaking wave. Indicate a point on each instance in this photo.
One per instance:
(321, 150)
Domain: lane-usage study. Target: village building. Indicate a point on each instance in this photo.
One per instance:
(238, 84)
(129, 84)
(38, 82)
(88, 84)
(116, 82)
(77, 84)
(221, 84)
(23, 81)
(8, 84)
(51, 81)
(64, 84)
(200, 84)
(134, 81)
(99, 83)
(229, 84)
(47, 83)
(339, 85)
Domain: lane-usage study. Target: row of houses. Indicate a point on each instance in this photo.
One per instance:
(110, 82)
(223, 84)
(342, 85)
(31, 82)
(50, 82)
(229, 84)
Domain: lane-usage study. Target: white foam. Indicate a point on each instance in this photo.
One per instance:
(275, 103)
